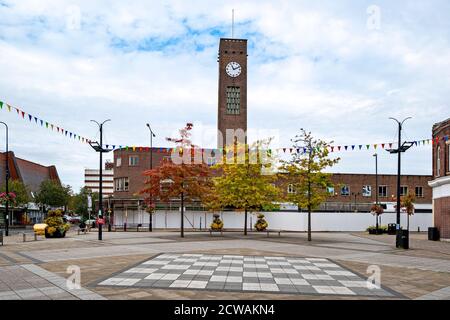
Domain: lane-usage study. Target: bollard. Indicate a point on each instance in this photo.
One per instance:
(124, 227)
(35, 237)
(24, 237)
(418, 229)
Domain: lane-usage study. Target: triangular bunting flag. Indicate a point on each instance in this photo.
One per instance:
(360, 146)
(1, 104)
(353, 147)
(9, 107)
(375, 146)
(346, 148)
(23, 115)
(42, 123)
(30, 117)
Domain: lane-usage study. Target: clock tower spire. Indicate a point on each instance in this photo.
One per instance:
(232, 109)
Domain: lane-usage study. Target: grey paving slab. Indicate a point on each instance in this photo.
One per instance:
(272, 274)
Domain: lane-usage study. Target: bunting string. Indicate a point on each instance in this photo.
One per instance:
(332, 148)
(40, 122)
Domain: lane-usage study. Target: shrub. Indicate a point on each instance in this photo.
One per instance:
(261, 223)
(217, 223)
(56, 225)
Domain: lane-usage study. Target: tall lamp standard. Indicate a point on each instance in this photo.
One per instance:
(6, 180)
(98, 147)
(401, 148)
(152, 135)
(376, 185)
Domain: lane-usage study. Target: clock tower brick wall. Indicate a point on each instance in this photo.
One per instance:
(232, 50)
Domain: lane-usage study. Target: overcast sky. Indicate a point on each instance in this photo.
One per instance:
(337, 68)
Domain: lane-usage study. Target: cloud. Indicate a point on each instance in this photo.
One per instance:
(313, 65)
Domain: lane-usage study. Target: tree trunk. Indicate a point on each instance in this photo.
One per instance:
(182, 215)
(245, 225)
(377, 222)
(309, 223)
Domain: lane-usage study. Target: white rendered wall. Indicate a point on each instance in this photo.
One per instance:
(288, 221)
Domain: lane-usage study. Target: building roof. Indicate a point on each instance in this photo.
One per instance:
(30, 173)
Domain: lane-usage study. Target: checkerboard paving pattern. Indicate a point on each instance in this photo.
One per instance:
(245, 273)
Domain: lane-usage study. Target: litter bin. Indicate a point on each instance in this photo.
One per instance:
(433, 234)
(403, 239)
(392, 229)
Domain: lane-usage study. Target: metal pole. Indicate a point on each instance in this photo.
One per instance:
(6, 181)
(100, 203)
(398, 180)
(376, 187)
(150, 225)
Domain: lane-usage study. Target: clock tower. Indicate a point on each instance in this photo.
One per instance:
(232, 110)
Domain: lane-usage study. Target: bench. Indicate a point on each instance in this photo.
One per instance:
(217, 231)
(273, 231)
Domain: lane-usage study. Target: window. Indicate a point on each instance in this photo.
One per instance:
(118, 162)
(345, 191)
(291, 189)
(121, 184)
(403, 191)
(233, 100)
(419, 192)
(330, 191)
(133, 161)
(438, 162)
(367, 191)
(382, 191)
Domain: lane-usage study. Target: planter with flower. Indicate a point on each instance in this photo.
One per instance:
(10, 197)
(377, 210)
(217, 224)
(261, 223)
(56, 227)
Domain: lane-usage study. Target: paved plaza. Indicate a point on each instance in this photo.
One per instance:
(245, 273)
(161, 265)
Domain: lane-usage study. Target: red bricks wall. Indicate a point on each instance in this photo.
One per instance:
(135, 173)
(440, 130)
(442, 216)
(357, 181)
(232, 50)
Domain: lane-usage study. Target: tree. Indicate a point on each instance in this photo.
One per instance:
(243, 183)
(20, 190)
(304, 172)
(79, 202)
(407, 203)
(377, 210)
(53, 194)
(188, 182)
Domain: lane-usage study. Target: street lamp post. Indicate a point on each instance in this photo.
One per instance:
(401, 148)
(6, 180)
(376, 186)
(152, 135)
(99, 148)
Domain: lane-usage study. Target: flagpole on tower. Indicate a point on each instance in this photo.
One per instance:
(232, 23)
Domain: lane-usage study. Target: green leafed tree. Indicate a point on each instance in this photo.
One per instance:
(79, 202)
(304, 172)
(245, 181)
(53, 194)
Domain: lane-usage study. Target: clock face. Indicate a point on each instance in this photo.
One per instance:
(233, 69)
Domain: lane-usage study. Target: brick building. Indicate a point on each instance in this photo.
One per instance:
(31, 174)
(441, 178)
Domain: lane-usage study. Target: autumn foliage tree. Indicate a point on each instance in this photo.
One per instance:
(305, 173)
(187, 181)
(243, 183)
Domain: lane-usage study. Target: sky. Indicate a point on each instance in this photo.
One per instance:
(337, 68)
